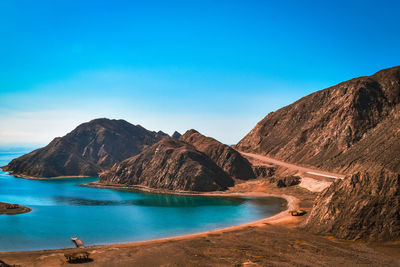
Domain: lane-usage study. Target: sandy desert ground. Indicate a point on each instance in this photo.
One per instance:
(275, 241)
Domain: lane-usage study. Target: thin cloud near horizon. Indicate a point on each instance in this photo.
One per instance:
(218, 67)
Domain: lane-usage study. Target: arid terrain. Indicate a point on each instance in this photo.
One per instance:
(193, 163)
(332, 154)
(276, 241)
(349, 127)
(87, 150)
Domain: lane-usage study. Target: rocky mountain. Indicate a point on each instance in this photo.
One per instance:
(362, 206)
(227, 158)
(176, 135)
(87, 150)
(162, 134)
(169, 164)
(352, 126)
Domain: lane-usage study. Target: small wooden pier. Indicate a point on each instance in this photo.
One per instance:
(78, 243)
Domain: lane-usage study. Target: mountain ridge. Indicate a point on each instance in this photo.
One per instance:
(170, 164)
(352, 128)
(193, 162)
(227, 158)
(325, 128)
(85, 151)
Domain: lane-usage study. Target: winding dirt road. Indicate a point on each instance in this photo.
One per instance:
(313, 180)
(301, 170)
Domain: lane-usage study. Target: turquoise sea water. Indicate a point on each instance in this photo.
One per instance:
(61, 209)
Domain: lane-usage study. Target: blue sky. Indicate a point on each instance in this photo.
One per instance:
(216, 66)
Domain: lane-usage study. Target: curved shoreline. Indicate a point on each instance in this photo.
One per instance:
(281, 217)
(276, 239)
(22, 176)
(17, 209)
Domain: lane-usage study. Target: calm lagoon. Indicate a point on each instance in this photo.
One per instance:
(62, 208)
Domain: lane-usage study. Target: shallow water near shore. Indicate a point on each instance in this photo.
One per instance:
(61, 209)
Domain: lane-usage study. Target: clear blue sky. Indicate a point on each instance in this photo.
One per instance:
(216, 66)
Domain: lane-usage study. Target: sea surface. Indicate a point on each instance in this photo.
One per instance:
(62, 208)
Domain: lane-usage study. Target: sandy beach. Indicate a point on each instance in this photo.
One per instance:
(275, 241)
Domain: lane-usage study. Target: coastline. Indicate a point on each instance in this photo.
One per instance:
(278, 238)
(146, 189)
(291, 201)
(269, 241)
(281, 217)
(48, 178)
(22, 176)
(15, 210)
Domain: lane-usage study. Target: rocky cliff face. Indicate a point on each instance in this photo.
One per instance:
(176, 135)
(169, 164)
(350, 126)
(90, 148)
(224, 156)
(362, 206)
(192, 163)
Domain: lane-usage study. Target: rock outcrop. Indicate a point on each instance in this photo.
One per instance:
(262, 171)
(161, 134)
(286, 181)
(176, 135)
(89, 149)
(345, 128)
(353, 128)
(12, 209)
(169, 164)
(192, 163)
(223, 155)
(362, 206)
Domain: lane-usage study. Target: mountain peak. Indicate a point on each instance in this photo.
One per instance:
(176, 135)
(331, 128)
(169, 164)
(88, 149)
(223, 155)
(191, 131)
